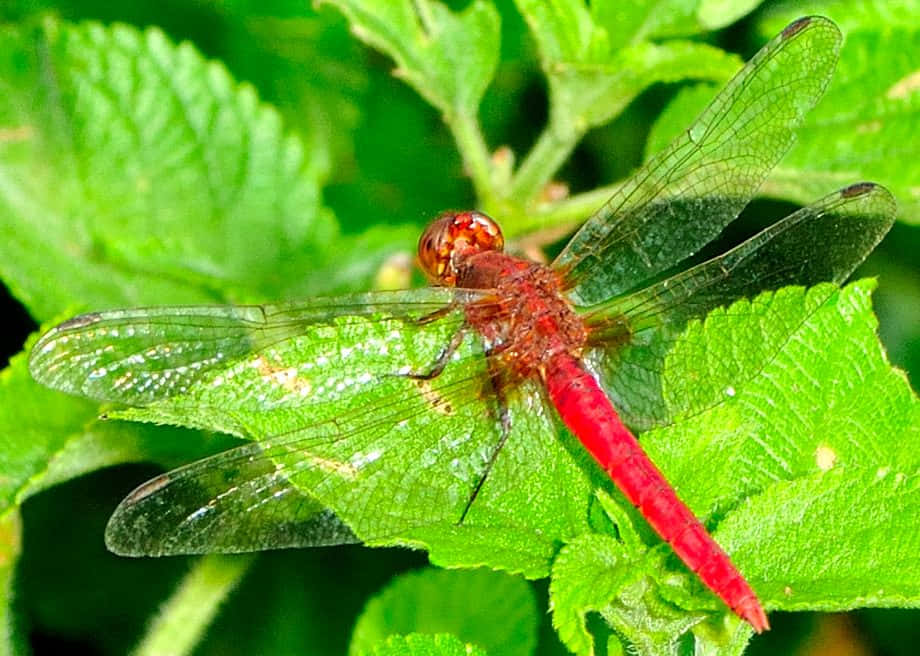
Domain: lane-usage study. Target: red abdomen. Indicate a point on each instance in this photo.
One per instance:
(587, 412)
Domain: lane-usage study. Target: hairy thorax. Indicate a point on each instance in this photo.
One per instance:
(527, 321)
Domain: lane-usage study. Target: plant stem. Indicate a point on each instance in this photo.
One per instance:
(184, 618)
(475, 154)
(11, 641)
(552, 148)
(571, 211)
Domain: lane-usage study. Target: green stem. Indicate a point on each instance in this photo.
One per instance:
(11, 641)
(571, 211)
(475, 154)
(184, 618)
(552, 148)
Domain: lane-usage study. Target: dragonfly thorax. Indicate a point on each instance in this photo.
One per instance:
(525, 319)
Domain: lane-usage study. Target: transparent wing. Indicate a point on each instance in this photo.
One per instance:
(232, 503)
(396, 471)
(349, 442)
(141, 355)
(824, 242)
(168, 359)
(684, 196)
(277, 492)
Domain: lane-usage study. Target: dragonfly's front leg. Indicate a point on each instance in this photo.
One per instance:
(443, 357)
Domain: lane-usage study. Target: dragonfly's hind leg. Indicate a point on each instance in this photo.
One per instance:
(497, 386)
(505, 421)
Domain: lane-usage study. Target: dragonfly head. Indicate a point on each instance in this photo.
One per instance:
(451, 238)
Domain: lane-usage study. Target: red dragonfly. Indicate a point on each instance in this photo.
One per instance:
(390, 416)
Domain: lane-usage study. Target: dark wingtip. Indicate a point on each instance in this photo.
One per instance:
(796, 26)
(858, 189)
(47, 342)
(145, 489)
(79, 321)
(74, 323)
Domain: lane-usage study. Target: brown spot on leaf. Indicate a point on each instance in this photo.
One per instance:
(21, 133)
(437, 402)
(904, 87)
(286, 377)
(869, 127)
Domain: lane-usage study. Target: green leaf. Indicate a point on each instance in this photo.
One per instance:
(633, 20)
(759, 329)
(133, 171)
(850, 16)
(833, 540)
(594, 574)
(592, 78)
(827, 406)
(588, 572)
(785, 422)
(448, 58)
(714, 14)
(603, 92)
(462, 603)
(425, 645)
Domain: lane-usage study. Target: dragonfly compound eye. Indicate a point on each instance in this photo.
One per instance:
(452, 237)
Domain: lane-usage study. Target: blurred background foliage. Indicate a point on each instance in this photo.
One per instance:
(385, 159)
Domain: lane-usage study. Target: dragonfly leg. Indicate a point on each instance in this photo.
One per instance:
(505, 420)
(443, 357)
(437, 314)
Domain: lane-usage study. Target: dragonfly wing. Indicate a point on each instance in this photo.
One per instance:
(683, 197)
(400, 470)
(194, 366)
(349, 441)
(140, 356)
(206, 507)
(823, 242)
(275, 492)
